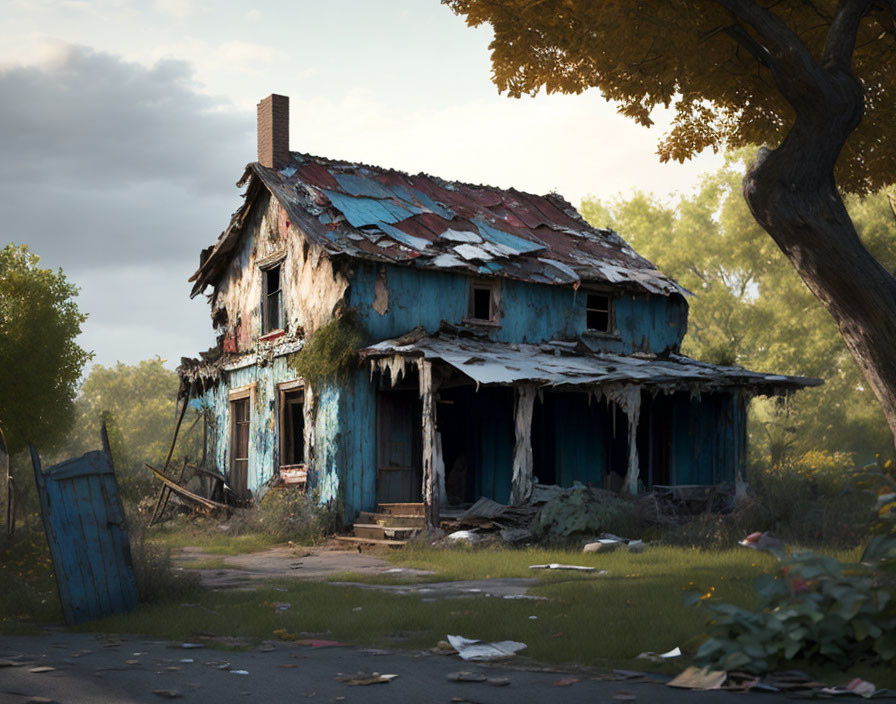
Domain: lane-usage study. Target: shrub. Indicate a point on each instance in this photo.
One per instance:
(156, 577)
(287, 513)
(816, 608)
(584, 511)
(818, 500)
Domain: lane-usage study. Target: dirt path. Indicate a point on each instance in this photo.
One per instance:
(324, 563)
(318, 563)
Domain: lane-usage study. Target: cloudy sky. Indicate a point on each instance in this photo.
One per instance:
(124, 126)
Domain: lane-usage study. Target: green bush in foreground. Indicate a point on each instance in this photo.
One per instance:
(815, 608)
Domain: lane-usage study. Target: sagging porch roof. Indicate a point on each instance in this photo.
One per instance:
(560, 364)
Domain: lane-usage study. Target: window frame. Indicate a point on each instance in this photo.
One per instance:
(267, 327)
(610, 312)
(284, 390)
(493, 286)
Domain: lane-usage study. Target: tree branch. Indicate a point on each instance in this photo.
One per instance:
(842, 35)
(740, 35)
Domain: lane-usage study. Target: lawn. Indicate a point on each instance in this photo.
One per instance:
(185, 532)
(591, 619)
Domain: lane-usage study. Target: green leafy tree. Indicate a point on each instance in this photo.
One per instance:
(751, 308)
(40, 362)
(814, 78)
(138, 404)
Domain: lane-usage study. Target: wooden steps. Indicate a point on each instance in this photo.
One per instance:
(390, 524)
(370, 541)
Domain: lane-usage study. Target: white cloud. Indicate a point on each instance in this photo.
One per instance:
(180, 9)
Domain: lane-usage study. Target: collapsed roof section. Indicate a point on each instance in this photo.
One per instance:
(383, 215)
(570, 364)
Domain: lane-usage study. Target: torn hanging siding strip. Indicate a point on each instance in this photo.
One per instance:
(628, 398)
(433, 468)
(523, 481)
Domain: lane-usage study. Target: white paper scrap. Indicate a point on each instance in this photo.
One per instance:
(477, 650)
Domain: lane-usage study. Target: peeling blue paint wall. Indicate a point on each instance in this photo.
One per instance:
(708, 439)
(264, 441)
(529, 312)
(345, 443)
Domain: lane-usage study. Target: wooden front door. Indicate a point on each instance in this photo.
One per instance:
(239, 446)
(399, 447)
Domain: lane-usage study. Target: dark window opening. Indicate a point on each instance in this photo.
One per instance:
(597, 312)
(482, 303)
(239, 445)
(292, 425)
(272, 313)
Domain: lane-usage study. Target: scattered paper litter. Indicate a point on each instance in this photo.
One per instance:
(558, 566)
(466, 676)
(167, 693)
(699, 678)
(862, 688)
(366, 678)
(659, 657)
(477, 650)
(566, 681)
(41, 668)
(319, 643)
(239, 672)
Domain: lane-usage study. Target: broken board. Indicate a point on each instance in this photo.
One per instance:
(85, 526)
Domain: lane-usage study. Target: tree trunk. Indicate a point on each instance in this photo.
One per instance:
(792, 194)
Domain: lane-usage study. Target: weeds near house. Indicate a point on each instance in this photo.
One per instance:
(290, 514)
(157, 579)
(27, 582)
(817, 608)
(817, 501)
(586, 511)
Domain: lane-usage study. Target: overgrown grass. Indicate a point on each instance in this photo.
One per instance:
(28, 593)
(282, 516)
(587, 619)
(206, 533)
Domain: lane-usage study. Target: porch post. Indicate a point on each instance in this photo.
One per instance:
(522, 482)
(433, 466)
(628, 398)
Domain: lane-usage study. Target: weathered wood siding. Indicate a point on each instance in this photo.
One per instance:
(85, 526)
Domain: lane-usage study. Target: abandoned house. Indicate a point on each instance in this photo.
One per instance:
(506, 342)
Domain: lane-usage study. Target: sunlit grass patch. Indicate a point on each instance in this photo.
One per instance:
(206, 534)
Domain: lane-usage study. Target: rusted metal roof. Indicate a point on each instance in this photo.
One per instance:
(419, 220)
(560, 363)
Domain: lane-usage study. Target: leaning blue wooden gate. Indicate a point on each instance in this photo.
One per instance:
(85, 526)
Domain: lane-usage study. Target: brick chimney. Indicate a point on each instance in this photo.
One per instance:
(273, 131)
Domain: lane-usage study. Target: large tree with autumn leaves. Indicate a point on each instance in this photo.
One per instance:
(814, 80)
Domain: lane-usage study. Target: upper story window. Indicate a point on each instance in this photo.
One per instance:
(484, 302)
(272, 309)
(598, 313)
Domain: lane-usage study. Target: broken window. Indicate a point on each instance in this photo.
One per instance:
(272, 312)
(292, 427)
(484, 301)
(239, 445)
(598, 313)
